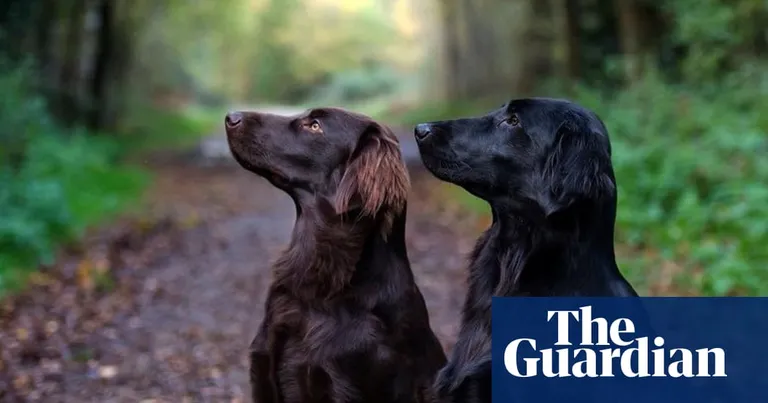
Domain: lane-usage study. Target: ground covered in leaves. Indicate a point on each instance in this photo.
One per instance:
(161, 306)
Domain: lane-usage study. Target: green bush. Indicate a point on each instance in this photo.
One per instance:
(55, 182)
(147, 129)
(692, 177)
(356, 85)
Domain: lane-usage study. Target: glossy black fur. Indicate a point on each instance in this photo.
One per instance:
(544, 166)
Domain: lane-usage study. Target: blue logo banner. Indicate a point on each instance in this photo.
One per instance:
(626, 350)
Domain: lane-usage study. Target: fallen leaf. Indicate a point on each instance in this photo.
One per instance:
(191, 220)
(107, 371)
(22, 334)
(22, 382)
(101, 265)
(51, 327)
(144, 224)
(52, 366)
(40, 279)
(84, 275)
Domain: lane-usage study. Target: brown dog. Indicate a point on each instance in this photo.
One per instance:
(344, 321)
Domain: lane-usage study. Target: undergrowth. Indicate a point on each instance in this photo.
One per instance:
(56, 182)
(150, 128)
(692, 173)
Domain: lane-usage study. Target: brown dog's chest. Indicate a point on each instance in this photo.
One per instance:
(323, 336)
(338, 357)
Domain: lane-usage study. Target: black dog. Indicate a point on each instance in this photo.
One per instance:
(544, 166)
(344, 320)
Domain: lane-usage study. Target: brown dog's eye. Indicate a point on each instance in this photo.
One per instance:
(315, 126)
(513, 120)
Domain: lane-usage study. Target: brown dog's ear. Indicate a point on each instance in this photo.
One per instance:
(579, 169)
(376, 175)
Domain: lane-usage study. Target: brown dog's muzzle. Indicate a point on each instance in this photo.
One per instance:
(233, 120)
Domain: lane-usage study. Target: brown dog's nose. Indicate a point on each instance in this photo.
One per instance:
(233, 119)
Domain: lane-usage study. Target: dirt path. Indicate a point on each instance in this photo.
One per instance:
(161, 308)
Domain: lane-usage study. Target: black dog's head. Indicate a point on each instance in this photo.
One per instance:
(542, 154)
(330, 153)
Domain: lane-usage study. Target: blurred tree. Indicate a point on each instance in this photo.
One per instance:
(492, 46)
(102, 63)
(85, 52)
(272, 71)
(69, 105)
(717, 36)
(70, 44)
(566, 53)
(484, 47)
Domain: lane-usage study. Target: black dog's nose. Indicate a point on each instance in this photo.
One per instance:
(422, 131)
(233, 119)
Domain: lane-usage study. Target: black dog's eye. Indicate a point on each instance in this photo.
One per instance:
(513, 120)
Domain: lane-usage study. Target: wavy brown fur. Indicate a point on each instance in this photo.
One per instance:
(378, 176)
(344, 321)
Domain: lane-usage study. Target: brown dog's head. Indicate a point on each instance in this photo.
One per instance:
(329, 153)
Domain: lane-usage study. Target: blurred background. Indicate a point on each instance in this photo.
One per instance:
(111, 120)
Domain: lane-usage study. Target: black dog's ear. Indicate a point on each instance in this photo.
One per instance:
(579, 169)
(376, 175)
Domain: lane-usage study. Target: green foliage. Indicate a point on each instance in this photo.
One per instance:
(692, 174)
(689, 141)
(440, 111)
(692, 178)
(719, 34)
(188, 47)
(298, 56)
(150, 129)
(273, 67)
(279, 51)
(357, 85)
(55, 182)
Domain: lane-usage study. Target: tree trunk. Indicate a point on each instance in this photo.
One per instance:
(42, 49)
(45, 21)
(631, 35)
(99, 104)
(566, 49)
(452, 72)
(489, 48)
(536, 45)
(69, 107)
(573, 32)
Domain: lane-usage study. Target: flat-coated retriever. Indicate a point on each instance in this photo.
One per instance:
(544, 166)
(344, 320)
